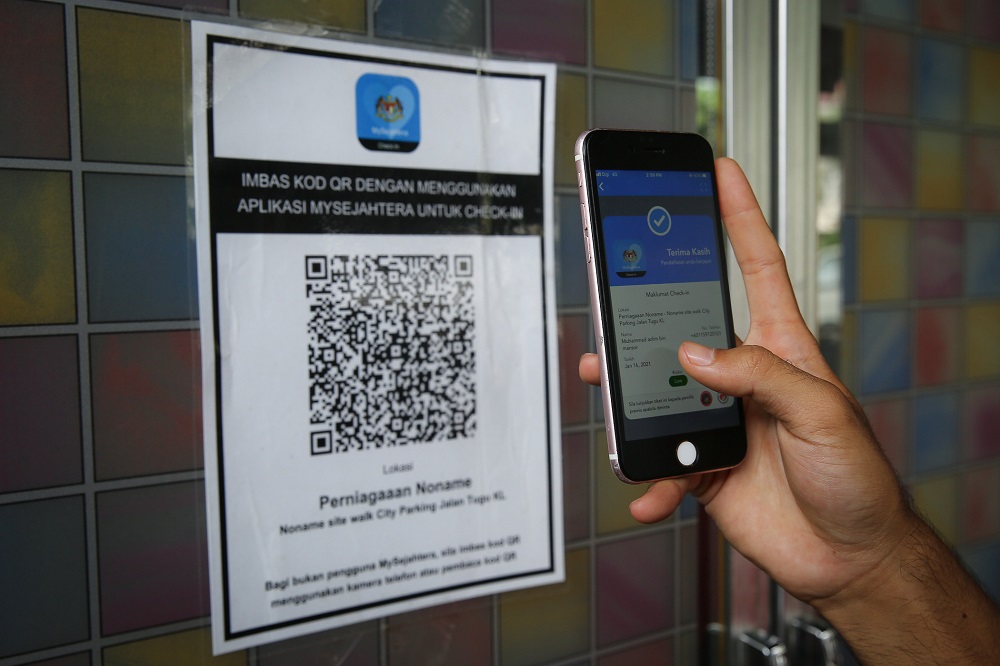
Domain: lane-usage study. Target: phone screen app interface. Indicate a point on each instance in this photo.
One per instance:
(664, 276)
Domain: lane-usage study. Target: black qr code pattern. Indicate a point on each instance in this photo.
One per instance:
(391, 350)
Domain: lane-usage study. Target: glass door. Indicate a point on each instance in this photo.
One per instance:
(772, 55)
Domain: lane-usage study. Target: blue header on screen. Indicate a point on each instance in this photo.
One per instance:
(614, 183)
(636, 256)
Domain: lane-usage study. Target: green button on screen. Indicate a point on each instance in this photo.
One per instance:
(678, 380)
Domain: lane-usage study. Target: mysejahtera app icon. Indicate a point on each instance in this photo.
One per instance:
(388, 113)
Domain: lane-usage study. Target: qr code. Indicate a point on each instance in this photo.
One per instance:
(391, 350)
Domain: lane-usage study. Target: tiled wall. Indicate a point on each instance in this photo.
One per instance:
(102, 526)
(922, 254)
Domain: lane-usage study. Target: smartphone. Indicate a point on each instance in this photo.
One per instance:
(656, 263)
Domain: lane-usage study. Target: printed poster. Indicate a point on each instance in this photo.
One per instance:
(378, 329)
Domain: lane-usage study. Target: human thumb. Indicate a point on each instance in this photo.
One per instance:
(783, 390)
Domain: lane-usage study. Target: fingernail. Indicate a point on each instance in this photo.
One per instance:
(699, 354)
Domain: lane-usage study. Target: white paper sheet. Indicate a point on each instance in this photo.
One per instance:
(378, 329)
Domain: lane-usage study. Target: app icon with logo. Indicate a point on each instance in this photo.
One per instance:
(627, 259)
(388, 113)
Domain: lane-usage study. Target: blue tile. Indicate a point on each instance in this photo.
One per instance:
(43, 575)
(982, 256)
(940, 80)
(689, 507)
(571, 267)
(597, 405)
(885, 351)
(936, 437)
(983, 560)
(690, 39)
(450, 22)
(901, 10)
(140, 250)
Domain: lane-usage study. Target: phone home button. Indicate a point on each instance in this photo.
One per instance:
(687, 454)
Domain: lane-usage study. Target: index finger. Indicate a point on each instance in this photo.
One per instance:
(590, 369)
(769, 290)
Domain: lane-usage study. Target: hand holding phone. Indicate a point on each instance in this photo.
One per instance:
(657, 274)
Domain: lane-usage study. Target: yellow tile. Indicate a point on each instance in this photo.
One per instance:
(342, 14)
(937, 500)
(982, 333)
(545, 623)
(634, 35)
(940, 170)
(571, 120)
(884, 265)
(37, 280)
(613, 496)
(187, 647)
(132, 74)
(984, 94)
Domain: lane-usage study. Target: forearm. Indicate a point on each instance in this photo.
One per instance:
(920, 606)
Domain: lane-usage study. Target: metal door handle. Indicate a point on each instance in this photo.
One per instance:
(812, 641)
(758, 648)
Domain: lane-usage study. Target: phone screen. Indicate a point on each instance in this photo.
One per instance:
(664, 285)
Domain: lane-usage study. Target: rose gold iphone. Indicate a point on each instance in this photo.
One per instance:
(657, 267)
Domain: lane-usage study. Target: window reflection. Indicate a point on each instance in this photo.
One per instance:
(829, 186)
